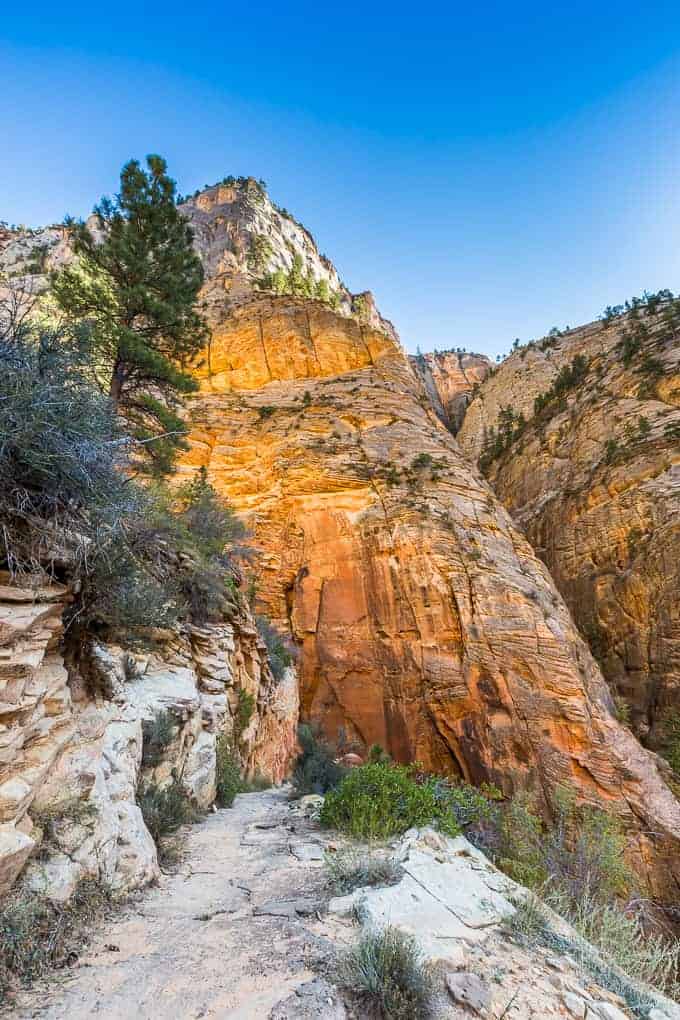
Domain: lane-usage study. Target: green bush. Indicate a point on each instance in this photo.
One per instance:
(211, 524)
(62, 457)
(245, 707)
(521, 853)
(378, 801)
(580, 854)
(316, 770)
(228, 772)
(386, 970)
(165, 810)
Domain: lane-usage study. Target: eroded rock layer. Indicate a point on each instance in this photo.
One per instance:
(450, 379)
(423, 618)
(594, 482)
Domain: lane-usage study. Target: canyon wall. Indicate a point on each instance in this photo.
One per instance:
(423, 619)
(594, 482)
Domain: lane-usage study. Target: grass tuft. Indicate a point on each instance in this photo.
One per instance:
(387, 971)
(37, 935)
(353, 869)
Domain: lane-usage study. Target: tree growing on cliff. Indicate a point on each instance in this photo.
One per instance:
(136, 284)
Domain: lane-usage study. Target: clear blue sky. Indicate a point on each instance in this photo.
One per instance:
(488, 170)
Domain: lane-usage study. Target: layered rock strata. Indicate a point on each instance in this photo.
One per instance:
(594, 483)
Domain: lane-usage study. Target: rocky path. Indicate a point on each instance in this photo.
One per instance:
(234, 933)
(244, 930)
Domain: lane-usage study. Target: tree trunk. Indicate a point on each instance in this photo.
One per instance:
(116, 387)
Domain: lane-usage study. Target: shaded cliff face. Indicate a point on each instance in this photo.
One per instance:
(450, 378)
(424, 620)
(594, 482)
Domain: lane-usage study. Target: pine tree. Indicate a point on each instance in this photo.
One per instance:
(136, 285)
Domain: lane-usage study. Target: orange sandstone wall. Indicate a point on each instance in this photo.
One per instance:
(424, 620)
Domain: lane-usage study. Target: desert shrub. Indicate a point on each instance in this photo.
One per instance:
(165, 810)
(37, 935)
(350, 870)
(622, 709)
(228, 772)
(580, 854)
(121, 594)
(316, 769)
(62, 455)
(386, 970)
(278, 654)
(577, 866)
(158, 734)
(529, 923)
(520, 852)
(245, 707)
(621, 937)
(380, 800)
(470, 805)
(204, 593)
(210, 522)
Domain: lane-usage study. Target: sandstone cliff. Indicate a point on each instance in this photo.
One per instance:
(450, 379)
(594, 482)
(424, 620)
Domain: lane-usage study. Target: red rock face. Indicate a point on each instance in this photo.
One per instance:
(423, 618)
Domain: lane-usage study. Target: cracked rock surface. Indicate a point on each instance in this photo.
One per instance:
(244, 930)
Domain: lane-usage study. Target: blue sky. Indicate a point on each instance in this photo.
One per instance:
(489, 171)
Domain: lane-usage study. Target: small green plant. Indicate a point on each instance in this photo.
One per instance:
(622, 709)
(528, 925)
(386, 970)
(670, 740)
(377, 755)
(316, 769)
(521, 853)
(159, 734)
(278, 653)
(350, 870)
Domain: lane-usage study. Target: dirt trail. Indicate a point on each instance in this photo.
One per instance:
(233, 934)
